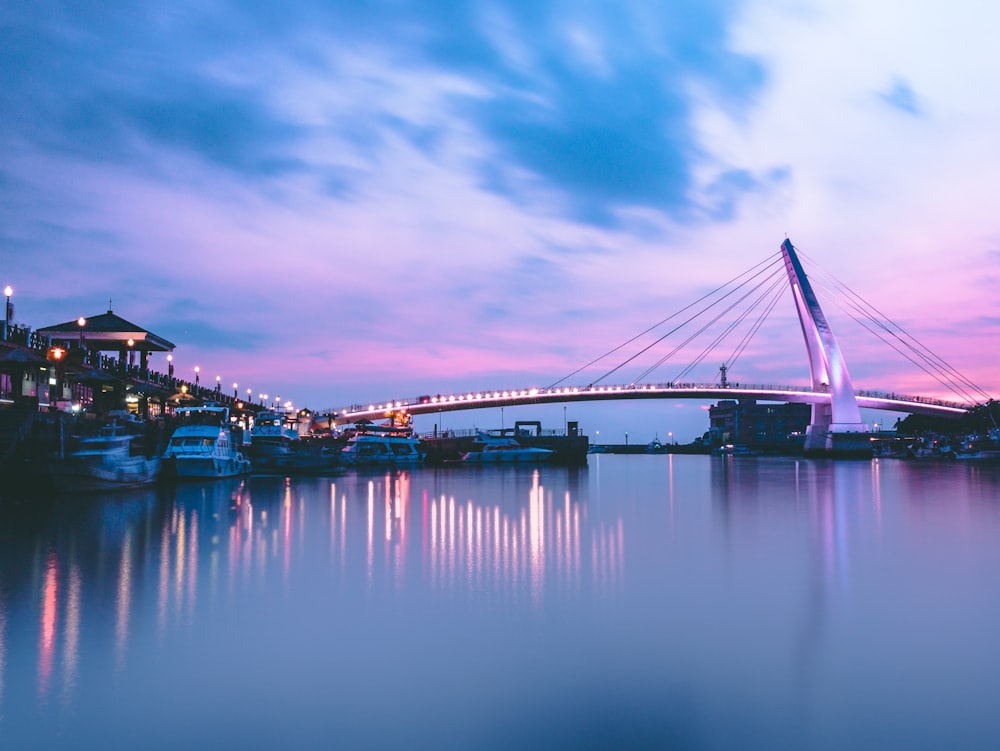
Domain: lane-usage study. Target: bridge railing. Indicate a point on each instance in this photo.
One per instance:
(494, 395)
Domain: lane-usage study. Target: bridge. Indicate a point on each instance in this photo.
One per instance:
(429, 405)
(836, 428)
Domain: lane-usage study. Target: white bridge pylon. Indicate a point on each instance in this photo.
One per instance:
(836, 425)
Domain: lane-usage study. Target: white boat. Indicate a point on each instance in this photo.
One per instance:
(276, 447)
(111, 459)
(375, 446)
(494, 450)
(205, 445)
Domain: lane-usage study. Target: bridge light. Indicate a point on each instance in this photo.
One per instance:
(533, 392)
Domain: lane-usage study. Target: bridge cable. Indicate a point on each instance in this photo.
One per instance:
(957, 382)
(739, 319)
(917, 347)
(725, 332)
(767, 260)
(689, 320)
(696, 334)
(926, 366)
(741, 347)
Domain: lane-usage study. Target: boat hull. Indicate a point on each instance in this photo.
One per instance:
(295, 463)
(519, 456)
(75, 476)
(205, 467)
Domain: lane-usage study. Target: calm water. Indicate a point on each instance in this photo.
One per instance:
(682, 602)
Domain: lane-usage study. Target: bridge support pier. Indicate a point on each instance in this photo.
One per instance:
(825, 438)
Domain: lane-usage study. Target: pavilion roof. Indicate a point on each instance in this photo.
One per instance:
(106, 328)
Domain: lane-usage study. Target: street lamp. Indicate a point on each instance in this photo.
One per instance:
(670, 437)
(197, 375)
(236, 393)
(81, 322)
(218, 384)
(131, 352)
(170, 366)
(626, 438)
(8, 291)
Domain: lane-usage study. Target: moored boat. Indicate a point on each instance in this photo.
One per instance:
(979, 448)
(205, 445)
(110, 460)
(382, 446)
(655, 447)
(276, 447)
(736, 449)
(493, 450)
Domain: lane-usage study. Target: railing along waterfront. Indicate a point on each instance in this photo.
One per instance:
(114, 366)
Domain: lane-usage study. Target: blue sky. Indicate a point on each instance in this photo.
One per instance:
(358, 201)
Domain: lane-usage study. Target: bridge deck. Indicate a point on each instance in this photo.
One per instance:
(423, 405)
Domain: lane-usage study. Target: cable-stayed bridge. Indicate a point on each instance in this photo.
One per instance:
(737, 308)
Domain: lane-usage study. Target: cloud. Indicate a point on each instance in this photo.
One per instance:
(449, 190)
(902, 97)
(597, 113)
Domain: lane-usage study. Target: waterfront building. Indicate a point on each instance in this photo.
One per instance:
(767, 425)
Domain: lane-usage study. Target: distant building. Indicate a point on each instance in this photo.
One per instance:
(744, 421)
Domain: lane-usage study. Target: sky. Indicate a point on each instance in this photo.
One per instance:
(344, 202)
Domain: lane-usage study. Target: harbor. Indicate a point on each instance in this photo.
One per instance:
(83, 409)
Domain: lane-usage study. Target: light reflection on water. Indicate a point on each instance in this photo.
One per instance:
(643, 602)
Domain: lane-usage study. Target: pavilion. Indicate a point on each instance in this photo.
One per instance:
(90, 338)
(108, 333)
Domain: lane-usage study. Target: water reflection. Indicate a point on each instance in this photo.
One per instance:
(110, 564)
(672, 569)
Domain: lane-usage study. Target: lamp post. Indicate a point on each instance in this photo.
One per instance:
(8, 291)
(197, 375)
(81, 322)
(131, 352)
(670, 437)
(236, 393)
(626, 438)
(170, 366)
(218, 384)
